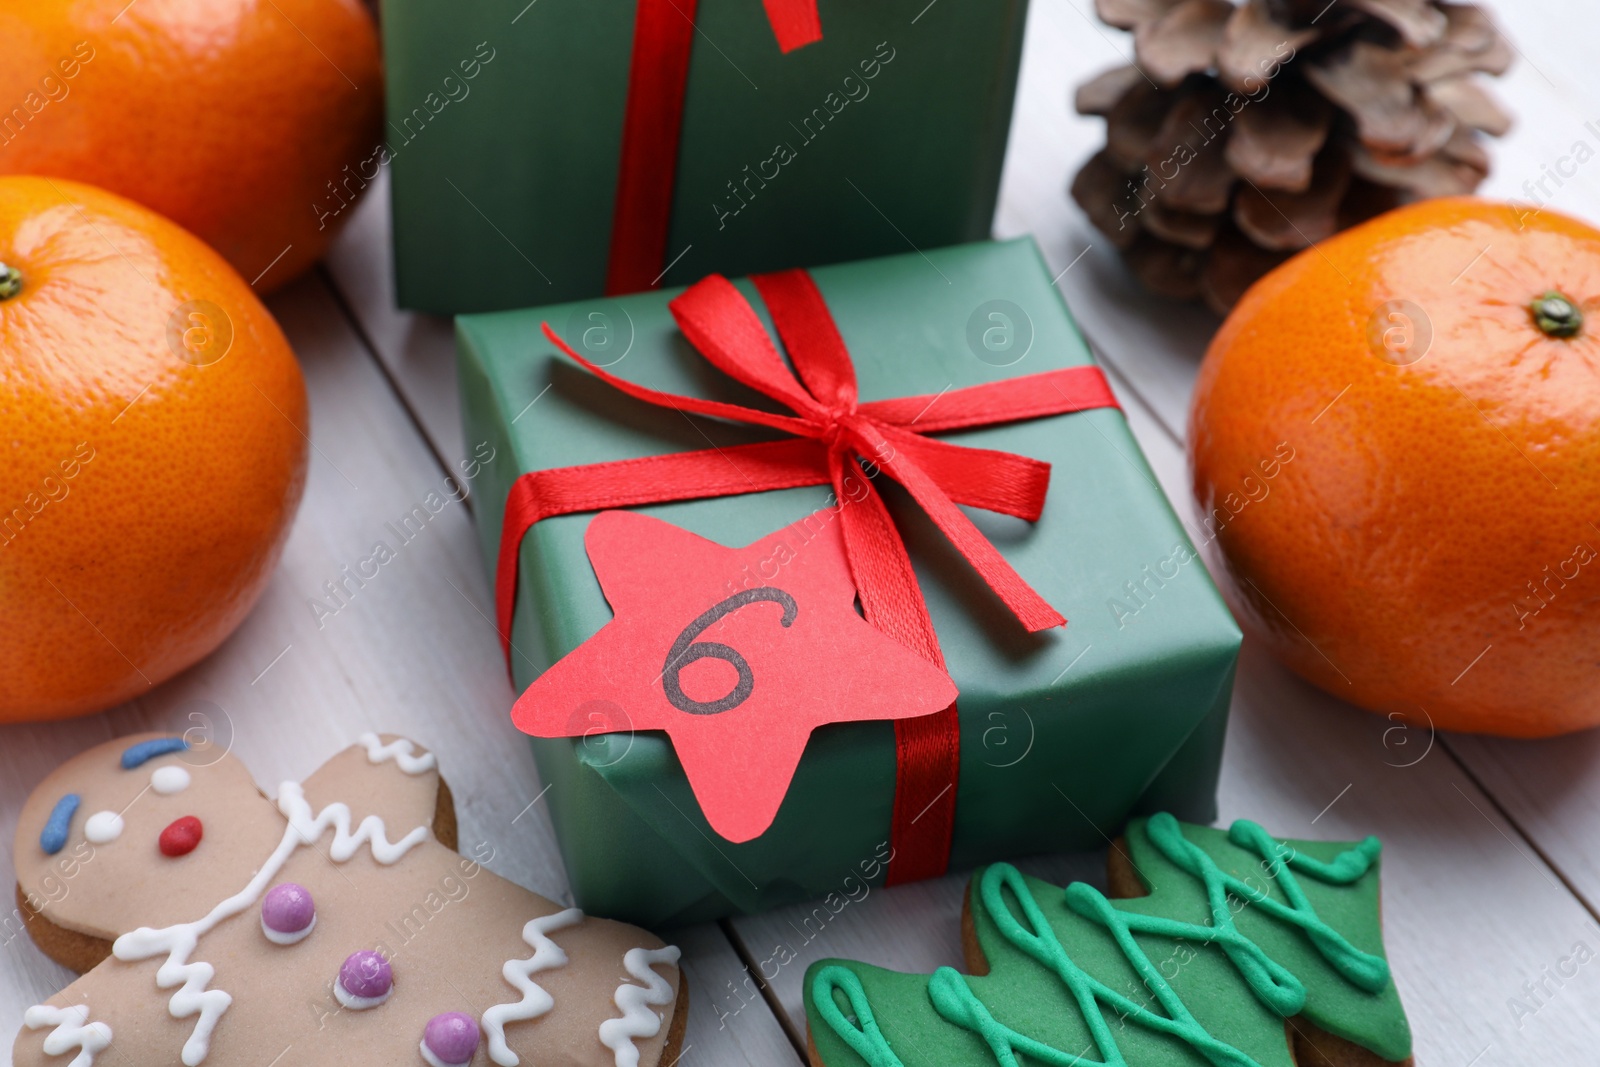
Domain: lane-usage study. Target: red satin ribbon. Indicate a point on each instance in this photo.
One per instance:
(795, 23)
(831, 433)
(658, 73)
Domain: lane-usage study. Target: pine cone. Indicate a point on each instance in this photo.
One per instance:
(1244, 132)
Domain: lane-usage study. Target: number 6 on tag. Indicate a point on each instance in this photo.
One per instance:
(686, 650)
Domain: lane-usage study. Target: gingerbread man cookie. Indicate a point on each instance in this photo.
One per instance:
(336, 924)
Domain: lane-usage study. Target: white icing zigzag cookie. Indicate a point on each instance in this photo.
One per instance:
(72, 1031)
(401, 751)
(338, 894)
(636, 1001)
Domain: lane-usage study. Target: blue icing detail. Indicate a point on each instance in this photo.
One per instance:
(53, 838)
(145, 751)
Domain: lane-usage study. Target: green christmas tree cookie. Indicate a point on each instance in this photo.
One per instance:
(1228, 949)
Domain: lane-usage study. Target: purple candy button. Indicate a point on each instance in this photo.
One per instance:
(450, 1039)
(365, 980)
(287, 913)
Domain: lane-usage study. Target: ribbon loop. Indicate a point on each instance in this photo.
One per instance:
(806, 327)
(715, 408)
(725, 329)
(979, 477)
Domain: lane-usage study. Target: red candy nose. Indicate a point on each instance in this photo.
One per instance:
(180, 838)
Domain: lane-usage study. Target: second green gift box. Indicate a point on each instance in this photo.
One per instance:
(567, 148)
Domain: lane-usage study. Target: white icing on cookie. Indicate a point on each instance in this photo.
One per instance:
(636, 1001)
(430, 1059)
(355, 1003)
(400, 751)
(73, 1030)
(535, 1001)
(293, 937)
(370, 831)
(180, 940)
(169, 780)
(103, 827)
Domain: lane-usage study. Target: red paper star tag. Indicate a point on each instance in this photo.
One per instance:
(737, 653)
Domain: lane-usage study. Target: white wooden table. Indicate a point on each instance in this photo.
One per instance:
(1492, 848)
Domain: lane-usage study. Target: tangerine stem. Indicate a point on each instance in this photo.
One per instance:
(1556, 315)
(10, 281)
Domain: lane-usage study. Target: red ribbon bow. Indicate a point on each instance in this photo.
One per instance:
(832, 431)
(658, 74)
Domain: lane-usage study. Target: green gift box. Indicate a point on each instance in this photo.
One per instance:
(1063, 734)
(506, 122)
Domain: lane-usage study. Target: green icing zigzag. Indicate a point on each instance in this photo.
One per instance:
(1239, 932)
